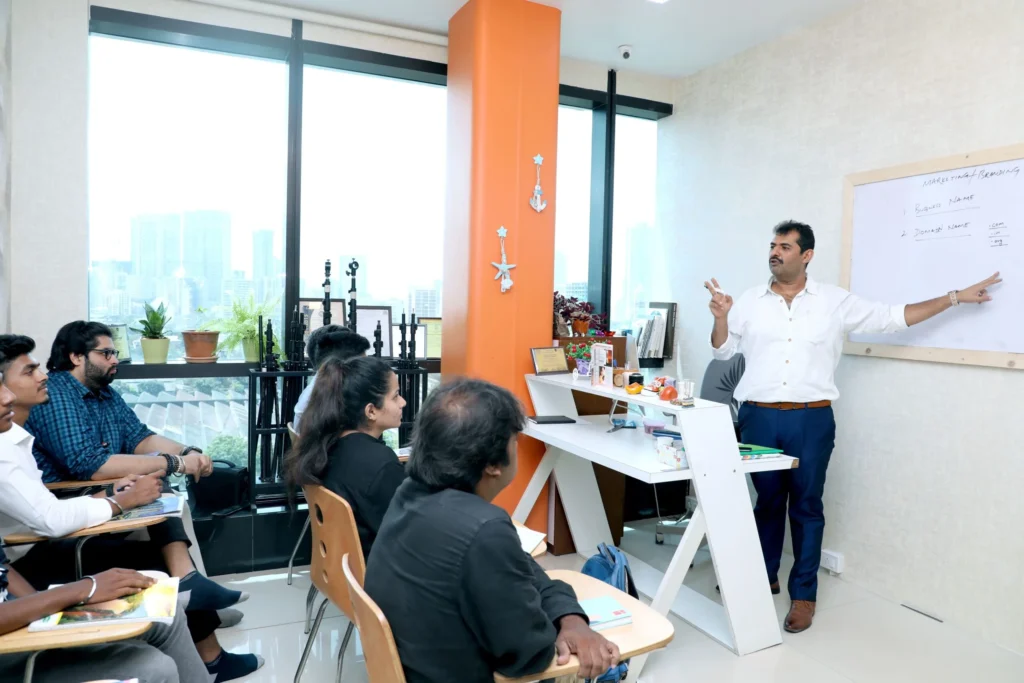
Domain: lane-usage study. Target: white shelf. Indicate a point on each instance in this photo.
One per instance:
(583, 384)
(629, 451)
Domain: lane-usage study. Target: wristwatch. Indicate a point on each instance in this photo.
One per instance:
(190, 449)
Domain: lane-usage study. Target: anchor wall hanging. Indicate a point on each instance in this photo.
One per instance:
(537, 201)
(504, 267)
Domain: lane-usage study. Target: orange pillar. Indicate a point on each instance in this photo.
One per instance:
(503, 58)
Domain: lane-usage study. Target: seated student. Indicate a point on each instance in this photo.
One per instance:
(328, 341)
(27, 505)
(448, 571)
(83, 430)
(342, 448)
(163, 654)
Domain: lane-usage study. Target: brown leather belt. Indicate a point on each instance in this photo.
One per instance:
(792, 406)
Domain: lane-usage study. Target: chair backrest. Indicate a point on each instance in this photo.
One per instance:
(382, 662)
(334, 536)
(720, 380)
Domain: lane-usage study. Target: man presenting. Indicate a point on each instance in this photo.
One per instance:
(791, 332)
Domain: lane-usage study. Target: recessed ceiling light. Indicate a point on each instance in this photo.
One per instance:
(658, 2)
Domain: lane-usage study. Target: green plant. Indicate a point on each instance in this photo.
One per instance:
(152, 387)
(579, 350)
(154, 324)
(243, 324)
(234, 449)
(201, 324)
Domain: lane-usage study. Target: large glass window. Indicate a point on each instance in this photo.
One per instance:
(638, 273)
(373, 190)
(572, 203)
(187, 182)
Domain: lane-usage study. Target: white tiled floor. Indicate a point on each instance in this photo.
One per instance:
(856, 637)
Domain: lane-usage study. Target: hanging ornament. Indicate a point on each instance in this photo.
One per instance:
(503, 268)
(537, 201)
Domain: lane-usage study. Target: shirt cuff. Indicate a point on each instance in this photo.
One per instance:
(726, 350)
(899, 316)
(98, 510)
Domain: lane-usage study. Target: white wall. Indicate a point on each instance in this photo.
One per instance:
(924, 490)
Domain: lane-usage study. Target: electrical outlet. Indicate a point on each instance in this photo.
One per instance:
(691, 503)
(833, 561)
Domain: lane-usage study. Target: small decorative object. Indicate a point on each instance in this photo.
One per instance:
(537, 201)
(668, 393)
(685, 394)
(242, 327)
(550, 361)
(619, 378)
(583, 366)
(200, 344)
(634, 389)
(580, 353)
(154, 344)
(119, 335)
(575, 374)
(504, 267)
(636, 378)
(579, 314)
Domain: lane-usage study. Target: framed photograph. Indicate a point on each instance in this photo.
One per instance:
(432, 327)
(550, 361)
(367, 318)
(313, 310)
(119, 335)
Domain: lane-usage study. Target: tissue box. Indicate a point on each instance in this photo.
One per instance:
(671, 454)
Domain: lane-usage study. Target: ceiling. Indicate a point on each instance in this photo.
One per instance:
(677, 38)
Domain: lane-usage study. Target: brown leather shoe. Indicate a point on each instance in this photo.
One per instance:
(800, 616)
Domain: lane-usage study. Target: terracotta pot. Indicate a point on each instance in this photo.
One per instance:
(154, 351)
(581, 328)
(200, 344)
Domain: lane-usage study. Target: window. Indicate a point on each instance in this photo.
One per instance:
(572, 205)
(373, 190)
(187, 182)
(636, 242)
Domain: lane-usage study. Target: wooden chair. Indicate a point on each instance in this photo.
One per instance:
(334, 536)
(291, 560)
(382, 662)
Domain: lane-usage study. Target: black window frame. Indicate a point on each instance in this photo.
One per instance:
(298, 52)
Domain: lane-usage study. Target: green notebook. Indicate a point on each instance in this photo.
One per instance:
(750, 452)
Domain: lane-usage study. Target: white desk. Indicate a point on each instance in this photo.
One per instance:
(747, 623)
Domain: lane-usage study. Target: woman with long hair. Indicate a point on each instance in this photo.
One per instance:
(353, 403)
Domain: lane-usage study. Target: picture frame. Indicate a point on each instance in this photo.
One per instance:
(367, 318)
(119, 335)
(432, 333)
(313, 309)
(550, 361)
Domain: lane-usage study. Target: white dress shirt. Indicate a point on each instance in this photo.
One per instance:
(792, 351)
(27, 505)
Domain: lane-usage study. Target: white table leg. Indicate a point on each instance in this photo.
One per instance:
(536, 485)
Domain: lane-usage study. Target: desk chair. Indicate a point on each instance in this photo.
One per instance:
(334, 536)
(720, 380)
(23, 641)
(382, 662)
(291, 560)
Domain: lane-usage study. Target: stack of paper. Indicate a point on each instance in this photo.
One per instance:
(605, 613)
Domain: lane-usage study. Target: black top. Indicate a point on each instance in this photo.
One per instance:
(365, 472)
(462, 597)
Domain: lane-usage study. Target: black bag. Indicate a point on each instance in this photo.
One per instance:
(224, 492)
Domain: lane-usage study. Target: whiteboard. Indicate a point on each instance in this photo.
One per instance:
(915, 232)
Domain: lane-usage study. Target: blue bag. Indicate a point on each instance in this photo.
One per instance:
(610, 566)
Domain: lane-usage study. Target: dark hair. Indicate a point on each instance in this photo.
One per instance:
(78, 337)
(462, 428)
(341, 345)
(312, 346)
(337, 404)
(12, 346)
(805, 235)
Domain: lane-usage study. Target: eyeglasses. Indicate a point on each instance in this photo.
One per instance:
(107, 353)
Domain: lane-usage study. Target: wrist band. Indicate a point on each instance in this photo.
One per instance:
(189, 449)
(170, 469)
(92, 592)
(120, 509)
(953, 299)
(181, 465)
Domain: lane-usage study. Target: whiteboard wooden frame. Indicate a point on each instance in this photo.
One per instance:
(996, 359)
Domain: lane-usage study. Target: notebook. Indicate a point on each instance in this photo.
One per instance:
(529, 538)
(167, 505)
(750, 452)
(606, 612)
(159, 603)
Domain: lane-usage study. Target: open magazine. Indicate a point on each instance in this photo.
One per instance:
(159, 603)
(167, 505)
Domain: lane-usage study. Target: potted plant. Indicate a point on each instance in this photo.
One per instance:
(579, 314)
(200, 343)
(242, 327)
(579, 354)
(154, 343)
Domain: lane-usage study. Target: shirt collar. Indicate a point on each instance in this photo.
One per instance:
(810, 287)
(17, 435)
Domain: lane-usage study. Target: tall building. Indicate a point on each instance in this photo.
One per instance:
(267, 270)
(206, 253)
(156, 253)
(426, 302)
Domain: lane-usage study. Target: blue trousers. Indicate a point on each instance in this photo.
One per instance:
(808, 434)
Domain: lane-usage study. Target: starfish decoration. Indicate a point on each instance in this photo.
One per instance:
(504, 267)
(538, 160)
(537, 201)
